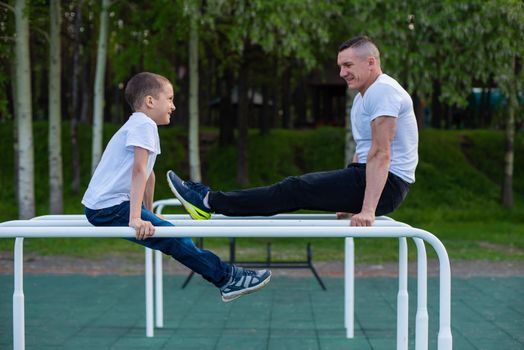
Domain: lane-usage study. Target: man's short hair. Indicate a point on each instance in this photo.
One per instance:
(365, 45)
(142, 85)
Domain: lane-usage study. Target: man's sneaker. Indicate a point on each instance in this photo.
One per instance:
(191, 195)
(244, 281)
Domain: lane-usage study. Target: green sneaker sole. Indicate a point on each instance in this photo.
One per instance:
(195, 212)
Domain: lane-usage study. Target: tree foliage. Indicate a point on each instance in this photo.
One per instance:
(438, 50)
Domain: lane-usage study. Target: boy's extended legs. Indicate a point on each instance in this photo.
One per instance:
(203, 262)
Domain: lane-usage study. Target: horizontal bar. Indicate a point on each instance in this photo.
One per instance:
(207, 231)
(313, 216)
(200, 223)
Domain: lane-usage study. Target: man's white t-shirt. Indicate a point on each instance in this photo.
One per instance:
(111, 182)
(385, 97)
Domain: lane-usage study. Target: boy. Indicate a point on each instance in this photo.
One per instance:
(121, 190)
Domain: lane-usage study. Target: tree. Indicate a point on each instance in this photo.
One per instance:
(194, 149)
(76, 83)
(98, 106)
(292, 30)
(55, 113)
(24, 118)
(506, 20)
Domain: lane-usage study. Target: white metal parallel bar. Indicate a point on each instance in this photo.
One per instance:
(402, 297)
(158, 206)
(18, 297)
(269, 221)
(60, 217)
(166, 202)
(216, 217)
(422, 319)
(159, 289)
(149, 292)
(349, 287)
(444, 337)
(207, 223)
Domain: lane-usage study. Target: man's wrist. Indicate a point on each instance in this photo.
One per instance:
(367, 210)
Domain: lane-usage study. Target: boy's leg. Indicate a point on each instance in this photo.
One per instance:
(232, 280)
(183, 250)
(201, 261)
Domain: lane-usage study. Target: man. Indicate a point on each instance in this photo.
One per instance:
(385, 131)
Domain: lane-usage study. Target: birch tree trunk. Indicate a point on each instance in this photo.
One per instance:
(350, 142)
(98, 108)
(75, 152)
(512, 90)
(25, 170)
(242, 123)
(507, 185)
(194, 150)
(55, 113)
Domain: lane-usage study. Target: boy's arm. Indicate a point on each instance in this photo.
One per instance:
(149, 192)
(144, 229)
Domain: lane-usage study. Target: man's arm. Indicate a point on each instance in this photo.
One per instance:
(144, 229)
(383, 131)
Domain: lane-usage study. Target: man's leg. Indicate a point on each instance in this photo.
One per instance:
(337, 190)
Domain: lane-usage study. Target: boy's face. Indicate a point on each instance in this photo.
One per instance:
(160, 108)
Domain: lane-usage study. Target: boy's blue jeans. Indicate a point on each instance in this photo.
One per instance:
(183, 250)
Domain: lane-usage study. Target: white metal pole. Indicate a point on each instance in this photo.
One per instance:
(445, 339)
(349, 287)
(159, 288)
(149, 292)
(422, 319)
(159, 274)
(18, 297)
(402, 297)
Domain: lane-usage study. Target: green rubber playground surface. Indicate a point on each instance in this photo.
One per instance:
(78, 312)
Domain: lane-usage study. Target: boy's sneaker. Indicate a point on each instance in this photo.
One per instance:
(244, 281)
(191, 195)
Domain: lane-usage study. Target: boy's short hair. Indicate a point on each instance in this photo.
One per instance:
(142, 85)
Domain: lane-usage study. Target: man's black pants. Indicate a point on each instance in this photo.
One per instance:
(336, 191)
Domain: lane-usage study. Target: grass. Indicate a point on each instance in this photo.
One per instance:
(456, 195)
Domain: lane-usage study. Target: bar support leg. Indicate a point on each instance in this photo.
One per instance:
(349, 287)
(149, 292)
(402, 297)
(422, 319)
(159, 290)
(18, 297)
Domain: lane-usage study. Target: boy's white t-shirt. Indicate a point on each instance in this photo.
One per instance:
(385, 97)
(111, 182)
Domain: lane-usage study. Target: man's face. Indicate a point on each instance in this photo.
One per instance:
(163, 106)
(355, 69)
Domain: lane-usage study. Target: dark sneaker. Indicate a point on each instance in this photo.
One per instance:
(191, 195)
(244, 281)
